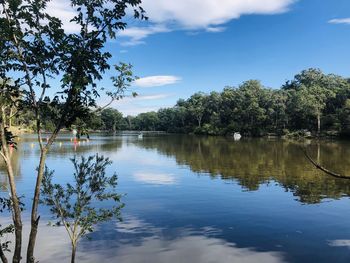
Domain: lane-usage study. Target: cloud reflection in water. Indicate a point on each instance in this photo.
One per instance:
(155, 178)
(136, 241)
(340, 243)
(148, 243)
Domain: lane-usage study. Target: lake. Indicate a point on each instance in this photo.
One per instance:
(203, 199)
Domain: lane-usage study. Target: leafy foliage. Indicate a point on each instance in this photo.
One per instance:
(36, 47)
(76, 205)
(111, 119)
(10, 93)
(10, 139)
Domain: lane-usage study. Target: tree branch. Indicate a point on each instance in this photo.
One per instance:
(104, 107)
(323, 169)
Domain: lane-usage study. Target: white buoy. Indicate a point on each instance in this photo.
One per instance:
(237, 136)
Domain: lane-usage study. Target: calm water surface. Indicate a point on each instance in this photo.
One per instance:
(198, 199)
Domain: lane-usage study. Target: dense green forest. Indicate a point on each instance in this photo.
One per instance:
(312, 101)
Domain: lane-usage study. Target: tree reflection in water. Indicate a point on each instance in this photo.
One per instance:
(253, 162)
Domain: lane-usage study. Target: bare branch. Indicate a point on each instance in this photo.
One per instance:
(323, 169)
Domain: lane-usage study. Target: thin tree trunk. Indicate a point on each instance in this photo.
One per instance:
(2, 256)
(199, 122)
(276, 122)
(114, 128)
(318, 124)
(129, 122)
(74, 250)
(10, 119)
(16, 210)
(34, 215)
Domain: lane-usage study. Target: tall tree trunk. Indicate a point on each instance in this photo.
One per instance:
(199, 122)
(276, 122)
(16, 210)
(129, 122)
(34, 215)
(74, 250)
(114, 128)
(318, 123)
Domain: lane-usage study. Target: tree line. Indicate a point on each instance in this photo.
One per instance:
(312, 101)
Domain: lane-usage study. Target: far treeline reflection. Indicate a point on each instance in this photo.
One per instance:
(252, 162)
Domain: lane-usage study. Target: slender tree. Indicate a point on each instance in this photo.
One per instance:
(197, 106)
(35, 48)
(8, 98)
(75, 206)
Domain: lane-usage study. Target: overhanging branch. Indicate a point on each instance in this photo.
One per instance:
(323, 169)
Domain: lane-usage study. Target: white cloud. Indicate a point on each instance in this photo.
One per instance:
(141, 98)
(155, 178)
(137, 34)
(153, 97)
(156, 81)
(197, 14)
(139, 104)
(63, 10)
(207, 15)
(170, 15)
(340, 21)
(215, 29)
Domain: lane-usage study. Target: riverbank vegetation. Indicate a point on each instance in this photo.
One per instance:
(311, 103)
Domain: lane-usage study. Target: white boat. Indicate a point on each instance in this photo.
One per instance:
(140, 136)
(237, 136)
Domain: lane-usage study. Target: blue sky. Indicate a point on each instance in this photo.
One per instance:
(205, 45)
